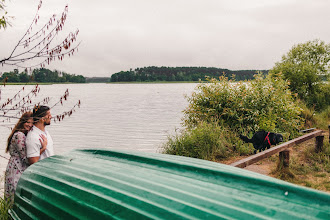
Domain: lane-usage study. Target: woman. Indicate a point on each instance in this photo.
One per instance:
(17, 150)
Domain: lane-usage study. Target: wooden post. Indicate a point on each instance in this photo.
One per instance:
(284, 157)
(319, 143)
(329, 133)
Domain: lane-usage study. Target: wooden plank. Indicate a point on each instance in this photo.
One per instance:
(307, 130)
(273, 150)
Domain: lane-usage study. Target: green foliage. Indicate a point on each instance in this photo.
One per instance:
(260, 104)
(220, 110)
(5, 205)
(320, 119)
(42, 75)
(152, 73)
(209, 141)
(306, 66)
(323, 119)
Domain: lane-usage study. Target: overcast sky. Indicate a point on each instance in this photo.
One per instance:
(117, 35)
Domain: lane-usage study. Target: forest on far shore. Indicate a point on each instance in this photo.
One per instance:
(144, 74)
(42, 75)
(153, 73)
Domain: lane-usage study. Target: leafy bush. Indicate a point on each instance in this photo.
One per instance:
(222, 109)
(306, 66)
(260, 104)
(209, 141)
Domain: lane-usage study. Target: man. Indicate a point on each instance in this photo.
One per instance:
(39, 143)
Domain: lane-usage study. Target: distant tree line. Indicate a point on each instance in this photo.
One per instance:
(97, 79)
(153, 73)
(42, 75)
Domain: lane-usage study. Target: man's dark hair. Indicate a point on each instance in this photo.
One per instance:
(39, 111)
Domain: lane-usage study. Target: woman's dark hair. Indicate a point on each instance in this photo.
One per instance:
(39, 111)
(19, 127)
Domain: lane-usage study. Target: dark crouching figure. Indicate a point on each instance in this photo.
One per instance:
(262, 140)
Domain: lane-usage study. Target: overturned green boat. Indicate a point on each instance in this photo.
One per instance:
(109, 184)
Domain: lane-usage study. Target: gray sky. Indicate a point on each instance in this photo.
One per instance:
(118, 35)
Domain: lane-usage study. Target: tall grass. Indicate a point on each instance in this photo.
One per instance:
(320, 120)
(5, 205)
(323, 118)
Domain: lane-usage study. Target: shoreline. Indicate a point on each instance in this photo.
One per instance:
(39, 83)
(152, 82)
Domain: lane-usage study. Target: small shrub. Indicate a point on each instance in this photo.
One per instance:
(207, 140)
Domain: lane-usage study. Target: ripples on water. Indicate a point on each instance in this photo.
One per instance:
(121, 116)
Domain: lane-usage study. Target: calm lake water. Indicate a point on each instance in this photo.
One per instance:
(113, 116)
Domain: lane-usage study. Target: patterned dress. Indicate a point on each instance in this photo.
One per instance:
(16, 165)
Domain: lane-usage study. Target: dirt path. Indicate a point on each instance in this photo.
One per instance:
(265, 166)
(262, 169)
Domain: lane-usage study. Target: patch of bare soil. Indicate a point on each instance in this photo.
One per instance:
(265, 166)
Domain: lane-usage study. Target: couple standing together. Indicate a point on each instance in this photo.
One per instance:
(28, 143)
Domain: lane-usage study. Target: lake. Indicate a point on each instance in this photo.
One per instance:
(113, 116)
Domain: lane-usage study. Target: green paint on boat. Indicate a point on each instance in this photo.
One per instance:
(111, 184)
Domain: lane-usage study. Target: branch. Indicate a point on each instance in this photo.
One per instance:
(41, 48)
(68, 113)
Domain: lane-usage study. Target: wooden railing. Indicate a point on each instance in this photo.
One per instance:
(282, 149)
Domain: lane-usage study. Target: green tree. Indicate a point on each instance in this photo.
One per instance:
(306, 65)
(11, 76)
(38, 75)
(23, 77)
